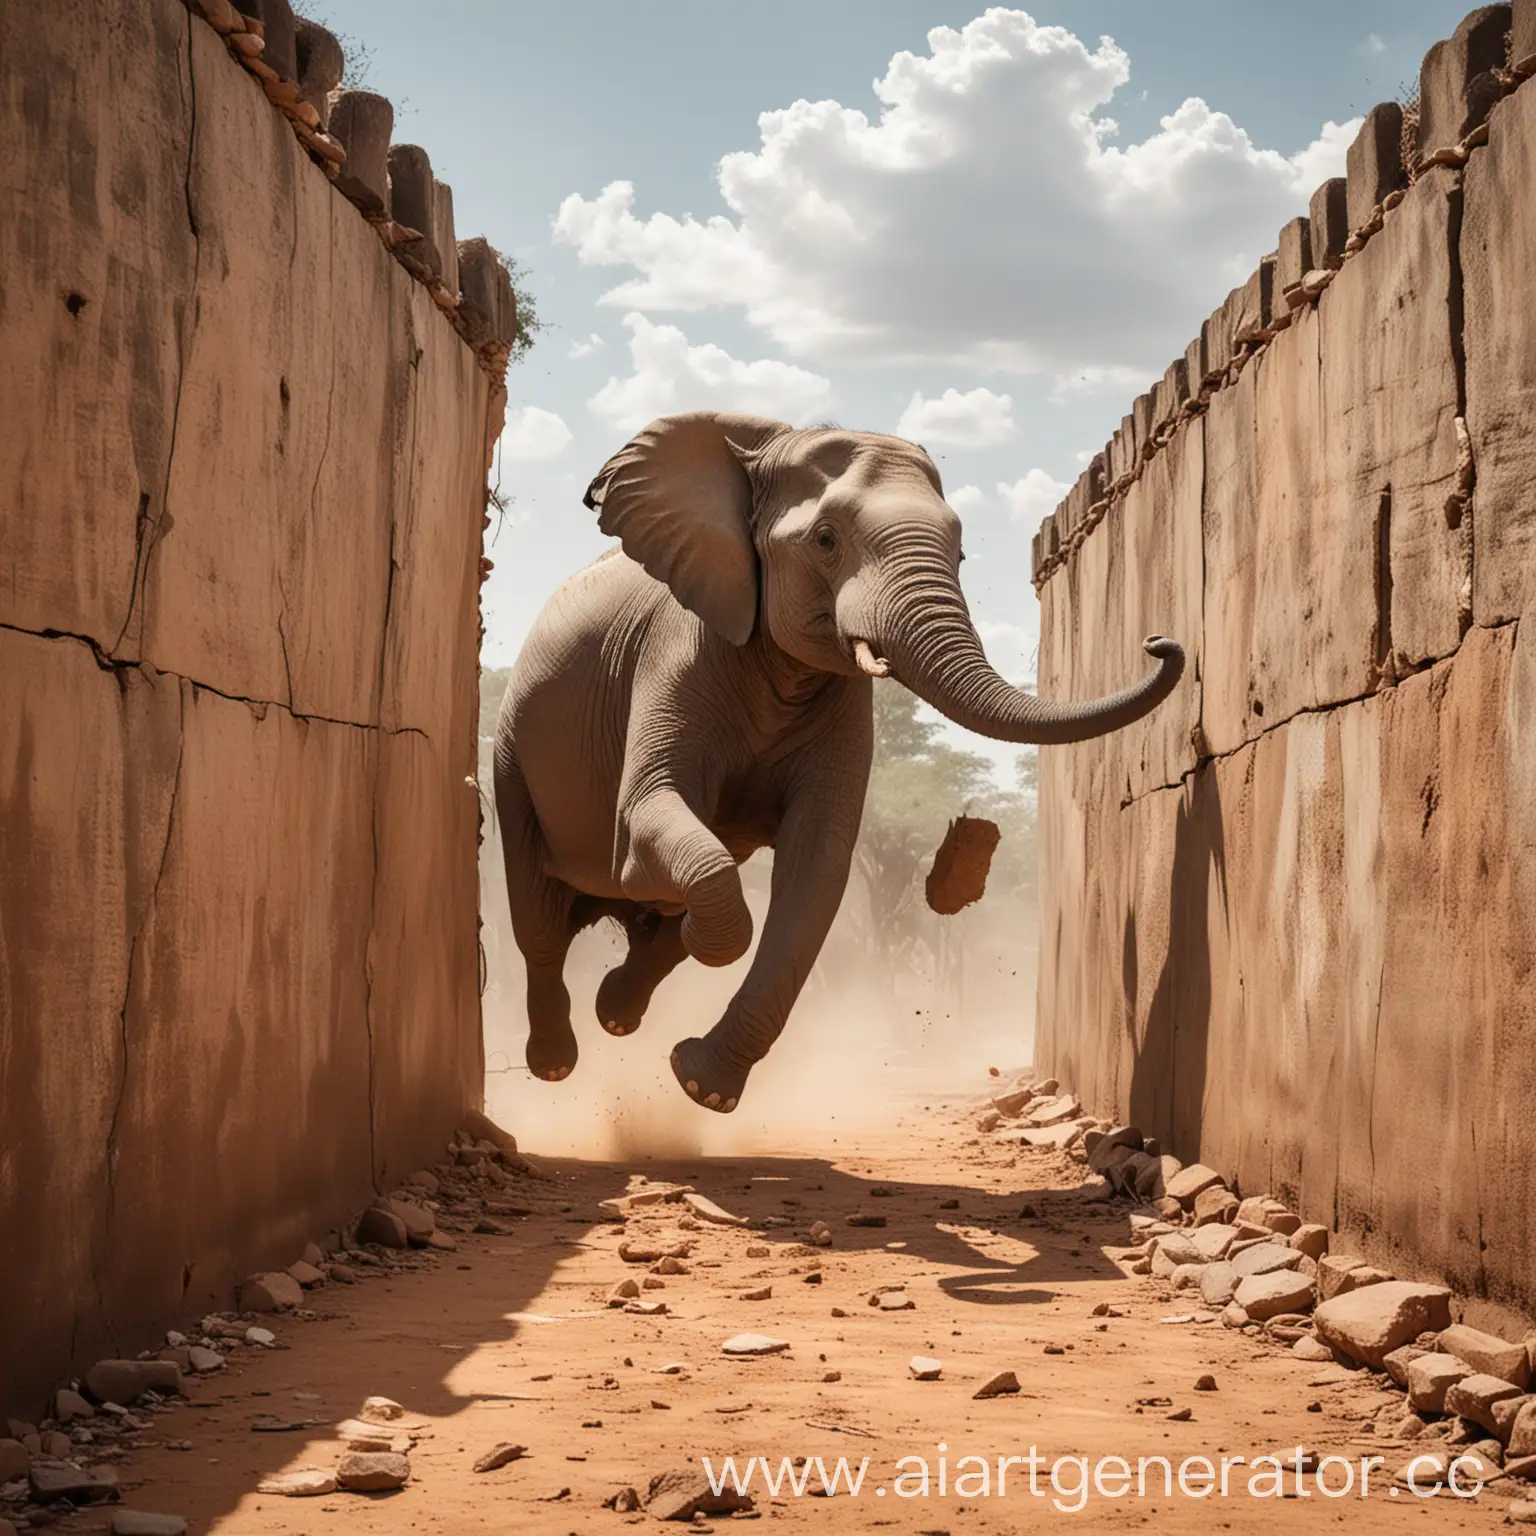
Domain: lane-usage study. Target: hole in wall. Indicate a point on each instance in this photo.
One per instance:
(282, 391)
(1258, 708)
(74, 302)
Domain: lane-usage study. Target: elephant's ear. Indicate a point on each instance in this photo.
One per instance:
(679, 498)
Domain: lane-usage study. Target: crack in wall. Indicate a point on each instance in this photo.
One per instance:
(140, 929)
(110, 663)
(149, 528)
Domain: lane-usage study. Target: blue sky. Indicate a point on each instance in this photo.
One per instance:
(996, 257)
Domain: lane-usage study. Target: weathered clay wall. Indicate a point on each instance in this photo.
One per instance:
(242, 470)
(1289, 921)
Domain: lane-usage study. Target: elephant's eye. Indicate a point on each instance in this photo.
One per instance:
(826, 538)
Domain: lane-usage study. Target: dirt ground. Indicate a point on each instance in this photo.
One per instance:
(510, 1339)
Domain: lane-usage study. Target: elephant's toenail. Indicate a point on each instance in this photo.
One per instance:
(730, 1104)
(712, 1100)
(692, 1087)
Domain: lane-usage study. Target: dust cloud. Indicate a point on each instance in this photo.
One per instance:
(866, 1038)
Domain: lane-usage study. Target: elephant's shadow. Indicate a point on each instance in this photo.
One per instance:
(933, 1224)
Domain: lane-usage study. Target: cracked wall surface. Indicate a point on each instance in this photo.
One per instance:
(241, 492)
(1289, 921)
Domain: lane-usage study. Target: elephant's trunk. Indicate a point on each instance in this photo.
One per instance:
(935, 651)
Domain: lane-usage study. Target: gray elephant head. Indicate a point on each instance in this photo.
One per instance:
(840, 547)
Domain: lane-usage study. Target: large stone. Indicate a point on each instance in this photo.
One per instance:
(1453, 99)
(1430, 1377)
(274, 1291)
(1396, 1364)
(1328, 224)
(1522, 1436)
(1054, 1111)
(1272, 1293)
(1368, 1324)
(420, 1223)
(1216, 1204)
(363, 123)
(1310, 1239)
(372, 1471)
(413, 204)
(321, 64)
(1474, 1396)
(1332, 1270)
(1488, 1354)
(126, 1381)
(68, 1406)
(1374, 165)
(381, 1226)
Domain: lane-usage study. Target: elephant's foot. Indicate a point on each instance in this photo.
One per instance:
(706, 1079)
(552, 1053)
(619, 1011)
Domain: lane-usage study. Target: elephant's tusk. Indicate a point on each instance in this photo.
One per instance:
(870, 664)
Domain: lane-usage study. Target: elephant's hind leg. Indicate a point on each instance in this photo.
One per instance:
(656, 949)
(542, 923)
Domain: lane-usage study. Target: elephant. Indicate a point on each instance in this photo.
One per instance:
(705, 689)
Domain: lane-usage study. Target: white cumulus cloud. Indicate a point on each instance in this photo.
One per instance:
(966, 499)
(977, 419)
(533, 433)
(671, 374)
(1032, 496)
(593, 343)
(983, 217)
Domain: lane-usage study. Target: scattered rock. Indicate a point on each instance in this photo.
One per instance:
(1333, 1270)
(274, 1292)
(1522, 1436)
(626, 1290)
(1233, 1316)
(1308, 1348)
(642, 1253)
(1181, 1415)
(50, 1480)
(1218, 1284)
(68, 1406)
(380, 1410)
(125, 1381)
(647, 1308)
(1281, 1290)
(707, 1210)
(57, 1446)
(377, 1225)
(1009, 1105)
(754, 1344)
(372, 1471)
(1310, 1239)
(342, 1274)
(669, 1266)
(757, 1250)
(682, 1494)
(1003, 1383)
(626, 1501)
(829, 1377)
(1206, 1383)
(1054, 1111)
(923, 1368)
(264, 1337)
(1369, 1323)
(301, 1483)
(1485, 1353)
(1396, 1364)
(277, 1423)
(1474, 1397)
(1264, 1259)
(359, 1435)
(762, 1293)
(15, 1458)
(204, 1360)
(499, 1456)
(1187, 1183)
(419, 1222)
(139, 1522)
(893, 1301)
(1216, 1203)
(308, 1275)
(1213, 1239)
(1506, 1412)
(864, 1219)
(1430, 1377)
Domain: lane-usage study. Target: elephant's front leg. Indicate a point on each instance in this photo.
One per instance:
(673, 856)
(811, 857)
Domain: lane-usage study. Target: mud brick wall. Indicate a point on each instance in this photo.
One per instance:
(244, 417)
(1289, 921)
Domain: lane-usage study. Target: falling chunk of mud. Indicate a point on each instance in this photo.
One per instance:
(961, 866)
